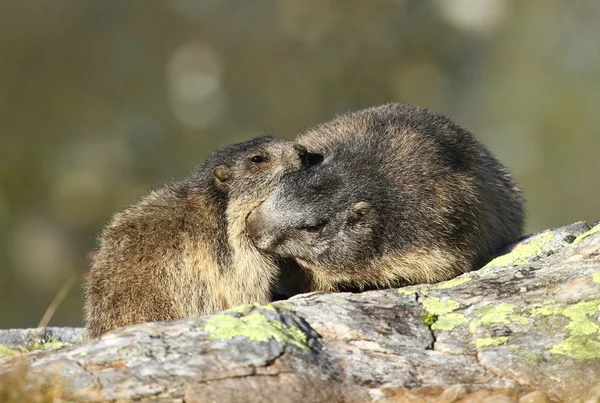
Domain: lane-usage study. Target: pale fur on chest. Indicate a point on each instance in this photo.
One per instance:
(252, 273)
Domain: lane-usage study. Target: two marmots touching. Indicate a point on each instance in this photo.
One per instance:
(382, 197)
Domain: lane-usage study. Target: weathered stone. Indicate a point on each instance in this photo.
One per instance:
(524, 328)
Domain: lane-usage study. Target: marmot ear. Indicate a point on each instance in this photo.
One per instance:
(222, 175)
(358, 212)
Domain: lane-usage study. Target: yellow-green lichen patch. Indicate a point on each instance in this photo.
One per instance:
(255, 327)
(491, 341)
(452, 283)
(436, 306)
(412, 290)
(591, 231)
(522, 252)
(579, 348)
(5, 350)
(504, 313)
(596, 277)
(337, 300)
(580, 313)
(449, 321)
(48, 345)
(529, 357)
(582, 342)
(281, 305)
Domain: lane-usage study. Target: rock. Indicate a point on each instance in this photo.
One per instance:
(526, 327)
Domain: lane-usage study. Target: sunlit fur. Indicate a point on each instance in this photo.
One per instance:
(182, 250)
(436, 203)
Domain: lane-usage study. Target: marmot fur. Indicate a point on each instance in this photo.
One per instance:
(182, 250)
(403, 196)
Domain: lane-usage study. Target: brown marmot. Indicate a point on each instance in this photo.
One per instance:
(403, 196)
(182, 250)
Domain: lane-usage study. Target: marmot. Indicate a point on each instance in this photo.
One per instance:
(403, 196)
(182, 250)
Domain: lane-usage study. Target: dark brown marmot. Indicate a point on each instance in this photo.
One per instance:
(182, 250)
(403, 196)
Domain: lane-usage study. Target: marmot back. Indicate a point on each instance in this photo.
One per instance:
(403, 196)
(182, 251)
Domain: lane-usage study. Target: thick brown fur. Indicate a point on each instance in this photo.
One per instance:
(182, 250)
(403, 196)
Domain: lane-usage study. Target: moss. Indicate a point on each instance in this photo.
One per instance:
(504, 313)
(596, 277)
(429, 319)
(255, 327)
(452, 283)
(436, 306)
(5, 351)
(491, 341)
(580, 238)
(449, 321)
(522, 252)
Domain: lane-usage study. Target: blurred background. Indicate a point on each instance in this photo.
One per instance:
(100, 100)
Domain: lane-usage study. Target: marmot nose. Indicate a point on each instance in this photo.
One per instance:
(300, 149)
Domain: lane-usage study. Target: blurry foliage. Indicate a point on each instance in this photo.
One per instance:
(100, 100)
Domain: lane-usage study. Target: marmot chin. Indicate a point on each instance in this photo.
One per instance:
(403, 196)
(182, 250)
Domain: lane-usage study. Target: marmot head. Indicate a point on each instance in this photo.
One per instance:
(310, 218)
(248, 169)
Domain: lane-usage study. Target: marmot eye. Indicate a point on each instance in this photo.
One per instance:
(257, 159)
(313, 228)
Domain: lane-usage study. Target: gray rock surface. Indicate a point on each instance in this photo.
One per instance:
(526, 326)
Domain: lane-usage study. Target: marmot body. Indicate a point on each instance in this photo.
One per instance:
(403, 196)
(182, 251)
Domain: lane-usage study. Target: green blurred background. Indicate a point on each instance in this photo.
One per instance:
(99, 100)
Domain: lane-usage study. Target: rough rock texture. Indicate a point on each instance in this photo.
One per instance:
(526, 327)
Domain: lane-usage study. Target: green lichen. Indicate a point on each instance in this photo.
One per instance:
(579, 348)
(48, 345)
(529, 357)
(436, 306)
(522, 252)
(337, 300)
(546, 310)
(596, 277)
(580, 313)
(582, 342)
(591, 231)
(449, 321)
(429, 318)
(5, 351)
(504, 313)
(249, 307)
(281, 305)
(452, 283)
(491, 341)
(255, 327)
